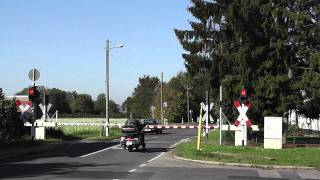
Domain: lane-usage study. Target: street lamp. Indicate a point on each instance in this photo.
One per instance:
(107, 83)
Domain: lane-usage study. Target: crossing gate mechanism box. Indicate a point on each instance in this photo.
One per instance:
(273, 132)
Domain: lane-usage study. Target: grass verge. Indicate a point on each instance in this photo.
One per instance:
(211, 151)
(89, 133)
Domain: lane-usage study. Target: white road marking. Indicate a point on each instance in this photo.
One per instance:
(117, 147)
(156, 157)
(142, 165)
(132, 170)
(99, 151)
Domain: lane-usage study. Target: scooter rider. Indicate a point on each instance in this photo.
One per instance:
(139, 127)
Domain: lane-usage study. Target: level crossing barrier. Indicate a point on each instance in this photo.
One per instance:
(181, 126)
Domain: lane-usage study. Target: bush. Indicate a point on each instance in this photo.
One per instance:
(11, 127)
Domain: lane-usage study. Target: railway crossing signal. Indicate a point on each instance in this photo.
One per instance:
(207, 114)
(33, 93)
(25, 115)
(242, 118)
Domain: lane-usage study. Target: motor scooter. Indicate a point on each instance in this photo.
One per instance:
(132, 139)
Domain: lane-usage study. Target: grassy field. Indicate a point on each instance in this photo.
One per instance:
(211, 151)
(91, 120)
(81, 133)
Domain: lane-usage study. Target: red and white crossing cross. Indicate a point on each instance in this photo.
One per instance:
(242, 118)
(22, 107)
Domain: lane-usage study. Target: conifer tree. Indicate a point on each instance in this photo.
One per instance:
(256, 43)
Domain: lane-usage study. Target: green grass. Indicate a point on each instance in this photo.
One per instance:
(211, 151)
(88, 133)
(91, 120)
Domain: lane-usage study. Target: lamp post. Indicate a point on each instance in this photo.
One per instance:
(107, 84)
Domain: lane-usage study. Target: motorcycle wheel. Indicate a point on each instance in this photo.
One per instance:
(130, 148)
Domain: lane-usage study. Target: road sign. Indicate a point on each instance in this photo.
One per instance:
(34, 74)
(205, 108)
(45, 110)
(242, 118)
(25, 116)
(22, 107)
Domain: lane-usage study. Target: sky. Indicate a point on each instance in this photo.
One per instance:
(65, 41)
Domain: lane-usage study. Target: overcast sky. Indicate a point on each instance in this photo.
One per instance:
(65, 41)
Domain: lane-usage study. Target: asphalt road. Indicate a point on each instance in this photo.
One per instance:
(107, 160)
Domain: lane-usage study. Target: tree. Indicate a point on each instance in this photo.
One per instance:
(11, 127)
(82, 103)
(174, 94)
(141, 100)
(59, 101)
(247, 43)
(100, 106)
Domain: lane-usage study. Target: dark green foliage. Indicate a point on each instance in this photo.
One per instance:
(11, 127)
(252, 43)
(141, 100)
(79, 105)
(82, 103)
(59, 101)
(175, 95)
(100, 106)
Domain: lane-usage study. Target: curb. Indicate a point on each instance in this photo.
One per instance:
(244, 165)
(239, 164)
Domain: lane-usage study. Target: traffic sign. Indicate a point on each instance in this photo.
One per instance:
(242, 118)
(45, 110)
(205, 108)
(22, 107)
(34, 74)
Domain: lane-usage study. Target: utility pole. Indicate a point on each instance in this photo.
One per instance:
(208, 114)
(188, 104)
(161, 100)
(106, 125)
(220, 114)
(107, 90)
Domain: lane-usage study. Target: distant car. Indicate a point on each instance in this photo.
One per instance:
(151, 130)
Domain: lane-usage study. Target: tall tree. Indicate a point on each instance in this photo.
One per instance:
(141, 100)
(175, 95)
(254, 44)
(82, 103)
(59, 101)
(100, 106)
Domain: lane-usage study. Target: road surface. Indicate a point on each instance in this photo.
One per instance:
(107, 160)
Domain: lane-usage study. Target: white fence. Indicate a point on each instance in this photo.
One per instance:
(303, 122)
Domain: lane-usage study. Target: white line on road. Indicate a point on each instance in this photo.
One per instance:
(156, 157)
(132, 170)
(99, 151)
(142, 165)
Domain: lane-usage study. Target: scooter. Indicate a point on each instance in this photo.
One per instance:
(132, 141)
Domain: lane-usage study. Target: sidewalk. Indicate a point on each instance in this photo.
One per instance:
(37, 148)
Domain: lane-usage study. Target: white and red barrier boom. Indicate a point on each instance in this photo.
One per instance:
(181, 127)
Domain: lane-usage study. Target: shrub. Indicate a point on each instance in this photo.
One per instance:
(11, 127)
